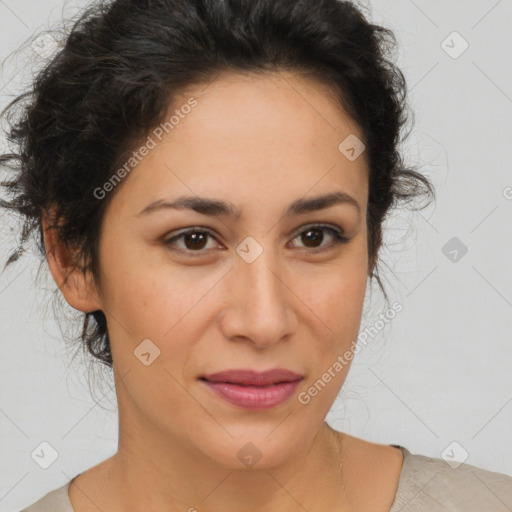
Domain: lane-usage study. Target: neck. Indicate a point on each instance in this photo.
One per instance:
(163, 475)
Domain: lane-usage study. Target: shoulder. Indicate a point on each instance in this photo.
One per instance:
(431, 484)
(54, 501)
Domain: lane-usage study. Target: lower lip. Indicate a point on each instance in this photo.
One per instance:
(254, 397)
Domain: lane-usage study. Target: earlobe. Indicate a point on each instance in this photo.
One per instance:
(75, 284)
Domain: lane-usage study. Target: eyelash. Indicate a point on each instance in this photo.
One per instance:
(339, 238)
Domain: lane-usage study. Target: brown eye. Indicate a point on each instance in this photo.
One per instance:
(196, 240)
(313, 237)
(193, 240)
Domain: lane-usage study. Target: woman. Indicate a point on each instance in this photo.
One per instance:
(208, 180)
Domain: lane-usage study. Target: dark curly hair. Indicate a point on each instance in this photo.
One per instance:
(115, 75)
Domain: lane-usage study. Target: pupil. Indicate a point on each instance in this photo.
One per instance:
(195, 237)
(318, 237)
(198, 239)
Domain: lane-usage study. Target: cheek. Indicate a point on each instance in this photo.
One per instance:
(337, 298)
(147, 296)
(165, 304)
(338, 304)
(346, 304)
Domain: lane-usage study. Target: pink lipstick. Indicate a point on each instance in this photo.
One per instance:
(253, 390)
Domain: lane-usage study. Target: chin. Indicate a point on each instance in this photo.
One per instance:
(254, 448)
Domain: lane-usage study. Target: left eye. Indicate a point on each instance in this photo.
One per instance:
(314, 234)
(195, 239)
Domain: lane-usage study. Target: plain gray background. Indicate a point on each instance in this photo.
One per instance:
(437, 379)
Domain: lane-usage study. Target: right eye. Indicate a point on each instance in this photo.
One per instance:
(194, 240)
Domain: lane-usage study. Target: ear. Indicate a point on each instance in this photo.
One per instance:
(77, 286)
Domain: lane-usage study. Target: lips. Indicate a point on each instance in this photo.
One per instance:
(253, 390)
(253, 378)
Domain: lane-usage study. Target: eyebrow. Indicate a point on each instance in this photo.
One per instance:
(215, 207)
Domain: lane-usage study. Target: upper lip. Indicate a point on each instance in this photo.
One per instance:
(252, 377)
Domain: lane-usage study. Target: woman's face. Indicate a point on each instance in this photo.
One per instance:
(261, 290)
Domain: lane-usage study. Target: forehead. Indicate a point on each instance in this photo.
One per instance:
(263, 105)
(253, 134)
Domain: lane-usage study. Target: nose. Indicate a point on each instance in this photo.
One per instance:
(260, 305)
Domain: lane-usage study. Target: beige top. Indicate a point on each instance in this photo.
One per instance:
(426, 484)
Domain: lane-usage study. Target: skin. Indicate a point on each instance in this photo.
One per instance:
(259, 142)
